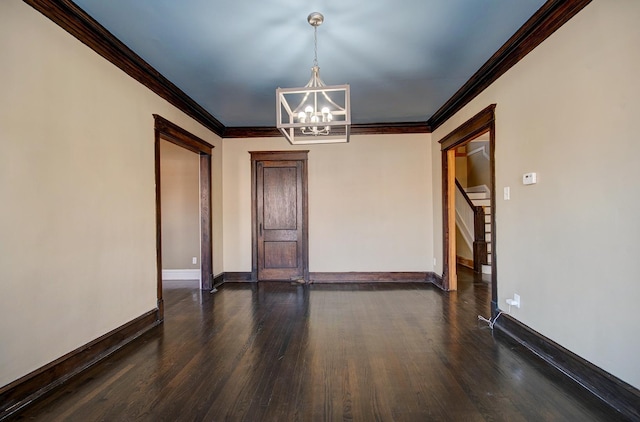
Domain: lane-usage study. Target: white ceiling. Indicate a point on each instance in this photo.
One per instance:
(403, 58)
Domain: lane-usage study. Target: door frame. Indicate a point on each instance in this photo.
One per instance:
(295, 155)
(479, 124)
(165, 130)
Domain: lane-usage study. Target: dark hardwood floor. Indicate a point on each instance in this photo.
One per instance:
(362, 352)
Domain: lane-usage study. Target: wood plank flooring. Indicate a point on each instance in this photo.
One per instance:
(361, 352)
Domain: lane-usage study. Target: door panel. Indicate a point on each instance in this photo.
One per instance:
(280, 217)
(280, 198)
(280, 254)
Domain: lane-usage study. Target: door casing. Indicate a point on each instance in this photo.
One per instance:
(165, 130)
(299, 156)
(479, 124)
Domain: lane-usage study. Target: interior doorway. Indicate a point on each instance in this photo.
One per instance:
(167, 131)
(279, 193)
(473, 205)
(482, 123)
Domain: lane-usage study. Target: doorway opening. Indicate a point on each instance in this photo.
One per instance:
(481, 126)
(167, 131)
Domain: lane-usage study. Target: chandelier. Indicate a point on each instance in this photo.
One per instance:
(316, 113)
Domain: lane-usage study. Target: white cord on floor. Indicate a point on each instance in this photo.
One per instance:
(491, 323)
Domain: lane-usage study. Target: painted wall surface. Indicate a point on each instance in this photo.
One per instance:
(569, 244)
(461, 170)
(478, 164)
(369, 203)
(180, 199)
(77, 221)
(463, 250)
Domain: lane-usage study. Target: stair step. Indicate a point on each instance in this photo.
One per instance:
(481, 202)
(478, 195)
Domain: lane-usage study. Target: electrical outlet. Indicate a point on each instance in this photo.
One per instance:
(194, 260)
(515, 301)
(434, 263)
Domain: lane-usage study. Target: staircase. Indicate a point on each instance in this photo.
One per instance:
(481, 196)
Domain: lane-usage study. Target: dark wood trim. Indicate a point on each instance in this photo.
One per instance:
(254, 219)
(356, 129)
(218, 280)
(616, 393)
(234, 277)
(251, 132)
(366, 277)
(174, 133)
(482, 122)
(160, 300)
(346, 277)
(551, 16)
(472, 128)
(164, 129)
(292, 155)
(23, 391)
(464, 194)
(469, 263)
(78, 23)
(389, 128)
(435, 279)
(206, 229)
(492, 218)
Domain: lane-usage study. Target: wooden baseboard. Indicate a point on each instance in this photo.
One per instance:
(367, 277)
(616, 393)
(23, 391)
(236, 277)
(345, 277)
(218, 280)
(464, 262)
(435, 279)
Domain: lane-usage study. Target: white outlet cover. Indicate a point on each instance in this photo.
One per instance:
(529, 179)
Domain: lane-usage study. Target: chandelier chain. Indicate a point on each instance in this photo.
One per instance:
(315, 45)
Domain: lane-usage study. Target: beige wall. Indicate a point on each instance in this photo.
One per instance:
(180, 199)
(369, 203)
(462, 249)
(569, 245)
(461, 171)
(478, 165)
(77, 221)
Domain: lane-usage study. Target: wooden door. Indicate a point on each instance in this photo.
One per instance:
(280, 215)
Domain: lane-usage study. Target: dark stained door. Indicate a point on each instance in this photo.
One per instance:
(280, 216)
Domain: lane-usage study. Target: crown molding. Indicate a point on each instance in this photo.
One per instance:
(390, 128)
(551, 16)
(251, 132)
(66, 14)
(78, 23)
(356, 129)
